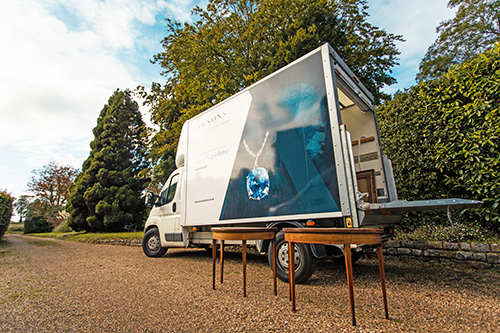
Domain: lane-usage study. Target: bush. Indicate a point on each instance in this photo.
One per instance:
(456, 233)
(443, 137)
(36, 224)
(63, 226)
(5, 212)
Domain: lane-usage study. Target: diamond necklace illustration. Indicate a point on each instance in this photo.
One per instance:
(258, 178)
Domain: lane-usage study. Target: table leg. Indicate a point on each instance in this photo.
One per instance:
(380, 257)
(274, 267)
(214, 254)
(244, 245)
(291, 272)
(289, 278)
(221, 260)
(348, 266)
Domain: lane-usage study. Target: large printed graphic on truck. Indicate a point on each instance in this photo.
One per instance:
(284, 162)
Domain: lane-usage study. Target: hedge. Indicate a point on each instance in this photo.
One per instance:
(443, 137)
(5, 212)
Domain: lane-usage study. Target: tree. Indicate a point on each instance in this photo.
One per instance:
(448, 131)
(50, 186)
(234, 43)
(51, 183)
(474, 29)
(106, 195)
(21, 205)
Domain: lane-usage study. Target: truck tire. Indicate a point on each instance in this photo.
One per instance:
(305, 263)
(151, 244)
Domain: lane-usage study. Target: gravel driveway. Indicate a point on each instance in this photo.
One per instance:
(57, 286)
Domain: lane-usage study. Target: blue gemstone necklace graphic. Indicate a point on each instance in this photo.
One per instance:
(258, 178)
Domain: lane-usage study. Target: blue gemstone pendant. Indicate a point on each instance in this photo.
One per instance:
(258, 184)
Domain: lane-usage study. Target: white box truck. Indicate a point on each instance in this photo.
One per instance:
(299, 148)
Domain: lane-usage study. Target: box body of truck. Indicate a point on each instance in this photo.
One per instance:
(299, 147)
(296, 121)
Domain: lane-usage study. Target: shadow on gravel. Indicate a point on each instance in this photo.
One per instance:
(365, 271)
(419, 274)
(228, 255)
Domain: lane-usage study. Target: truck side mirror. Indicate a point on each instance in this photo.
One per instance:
(151, 200)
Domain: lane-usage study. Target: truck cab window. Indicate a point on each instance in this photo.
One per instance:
(169, 193)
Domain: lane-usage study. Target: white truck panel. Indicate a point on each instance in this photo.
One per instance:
(213, 141)
(264, 154)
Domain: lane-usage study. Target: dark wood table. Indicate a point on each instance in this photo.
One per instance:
(346, 236)
(243, 234)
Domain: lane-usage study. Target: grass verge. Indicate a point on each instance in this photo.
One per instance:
(5, 248)
(88, 237)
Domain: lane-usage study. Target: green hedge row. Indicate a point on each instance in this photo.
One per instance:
(5, 212)
(36, 223)
(443, 138)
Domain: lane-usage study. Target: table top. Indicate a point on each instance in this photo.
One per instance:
(241, 230)
(334, 230)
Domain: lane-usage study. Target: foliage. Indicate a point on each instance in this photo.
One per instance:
(106, 194)
(406, 134)
(21, 206)
(234, 43)
(37, 214)
(50, 186)
(5, 212)
(51, 183)
(474, 29)
(443, 137)
(15, 227)
(456, 233)
(36, 223)
(63, 226)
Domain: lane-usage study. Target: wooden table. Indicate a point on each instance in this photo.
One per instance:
(346, 236)
(242, 234)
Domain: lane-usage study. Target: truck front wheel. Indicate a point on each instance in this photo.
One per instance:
(151, 244)
(305, 263)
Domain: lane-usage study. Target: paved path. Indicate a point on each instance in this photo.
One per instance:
(58, 286)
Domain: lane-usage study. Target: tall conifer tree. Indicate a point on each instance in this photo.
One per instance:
(106, 194)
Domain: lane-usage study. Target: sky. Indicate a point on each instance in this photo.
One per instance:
(62, 59)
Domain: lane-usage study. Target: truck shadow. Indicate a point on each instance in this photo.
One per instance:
(229, 254)
(414, 274)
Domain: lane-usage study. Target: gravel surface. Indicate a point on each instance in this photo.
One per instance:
(57, 286)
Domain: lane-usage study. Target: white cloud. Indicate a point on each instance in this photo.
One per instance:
(53, 80)
(417, 22)
(60, 62)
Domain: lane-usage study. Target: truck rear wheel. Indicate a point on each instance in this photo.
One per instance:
(305, 263)
(151, 244)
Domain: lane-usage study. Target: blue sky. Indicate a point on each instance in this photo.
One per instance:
(62, 59)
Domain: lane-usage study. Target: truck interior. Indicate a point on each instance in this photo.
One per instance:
(361, 123)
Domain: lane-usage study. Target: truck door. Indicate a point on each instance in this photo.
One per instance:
(170, 231)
